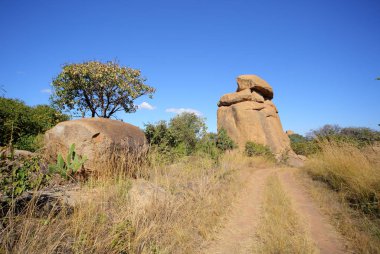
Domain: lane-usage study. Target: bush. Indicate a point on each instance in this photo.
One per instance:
(302, 145)
(207, 146)
(185, 134)
(30, 142)
(19, 176)
(20, 124)
(223, 141)
(253, 149)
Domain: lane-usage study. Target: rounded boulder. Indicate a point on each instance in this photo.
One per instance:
(99, 139)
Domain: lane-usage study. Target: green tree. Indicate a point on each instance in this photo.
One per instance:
(187, 129)
(159, 134)
(182, 133)
(20, 124)
(102, 89)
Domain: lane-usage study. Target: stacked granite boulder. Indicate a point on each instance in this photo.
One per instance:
(250, 115)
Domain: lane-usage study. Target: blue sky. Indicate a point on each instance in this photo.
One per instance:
(321, 57)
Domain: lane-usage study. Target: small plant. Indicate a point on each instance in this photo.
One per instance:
(68, 168)
(19, 176)
(254, 149)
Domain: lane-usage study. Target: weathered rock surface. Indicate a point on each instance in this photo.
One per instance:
(232, 98)
(255, 83)
(254, 120)
(96, 138)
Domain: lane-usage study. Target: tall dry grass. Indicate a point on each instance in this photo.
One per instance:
(350, 171)
(346, 177)
(199, 191)
(281, 229)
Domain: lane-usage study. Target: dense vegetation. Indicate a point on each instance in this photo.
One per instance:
(21, 124)
(359, 137)
(186, 134)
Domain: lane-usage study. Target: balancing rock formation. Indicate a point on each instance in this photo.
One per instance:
(250, 115)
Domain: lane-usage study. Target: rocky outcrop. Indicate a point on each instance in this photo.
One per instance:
(96, 138)
(250, 115)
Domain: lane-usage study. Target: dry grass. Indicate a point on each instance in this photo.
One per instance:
(347, 187)
(199, 193)
(281, 230)
(361, 230)
(351, 172)
(238, 160)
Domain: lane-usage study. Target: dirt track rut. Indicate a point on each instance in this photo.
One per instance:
(238, 234)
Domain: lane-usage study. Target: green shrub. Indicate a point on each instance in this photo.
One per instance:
(253, 149)
(302, 145)
(30, 142)
(207, 146)
(184, 135)
(223, 141)
(20, 124)
(16, 177)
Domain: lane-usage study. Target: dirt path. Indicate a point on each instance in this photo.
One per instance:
(322, 232)
(238, 234)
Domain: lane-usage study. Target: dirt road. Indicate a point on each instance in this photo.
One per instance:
(240, 230)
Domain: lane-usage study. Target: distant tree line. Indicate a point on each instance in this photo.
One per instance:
(358, 136)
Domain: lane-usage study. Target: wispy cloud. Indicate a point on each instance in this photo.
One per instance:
(46, 90)
(146, 105)
(182, 110)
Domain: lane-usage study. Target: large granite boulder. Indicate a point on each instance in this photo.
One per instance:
(255, 119)
(99, 139)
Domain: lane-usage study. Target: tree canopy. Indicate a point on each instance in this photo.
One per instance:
(101, 89)
(183, 130)
(20, 123)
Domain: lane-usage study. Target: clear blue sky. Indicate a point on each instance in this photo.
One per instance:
(320, 56)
